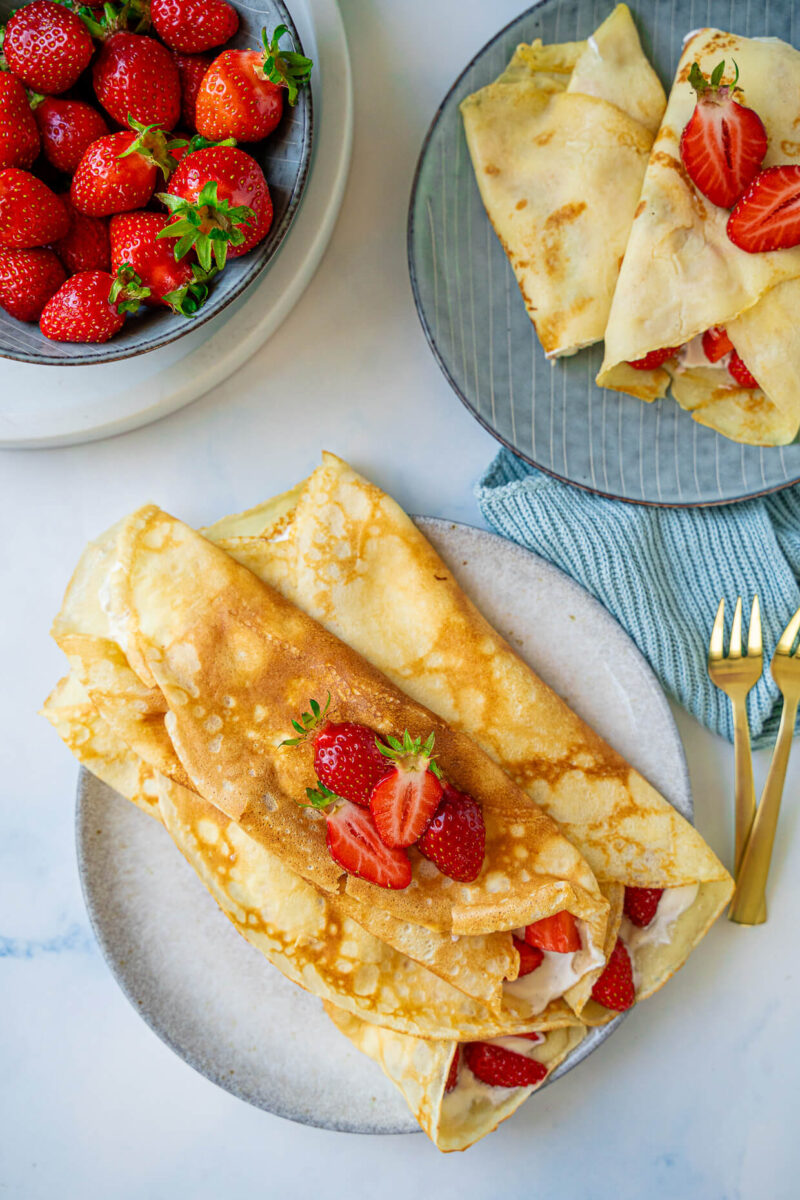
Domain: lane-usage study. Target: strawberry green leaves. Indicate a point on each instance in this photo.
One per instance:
(310, 721)
(410, 747)
(285, 67)
(210, 226)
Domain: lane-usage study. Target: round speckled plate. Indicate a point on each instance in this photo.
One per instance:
(553, 415)
(221, 1006)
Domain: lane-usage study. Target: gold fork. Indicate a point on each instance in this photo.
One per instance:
(736, 675)
(749, 902)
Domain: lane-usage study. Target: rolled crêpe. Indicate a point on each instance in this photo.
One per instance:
(682, 275)
(198, 667)
(453, 1119)
(340, 548)
(559, 143)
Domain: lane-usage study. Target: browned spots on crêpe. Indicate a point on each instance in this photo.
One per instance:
(554, 258)
(620, 261)
(490, 169)
(551, 329)
(521, 204)
(566, 214)
(542, 139)
(604, 764)
(790, 148)
(675, 164)
(640, 207)
(665, 134)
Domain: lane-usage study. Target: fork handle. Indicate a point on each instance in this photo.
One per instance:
(744, 784)
(749, 901)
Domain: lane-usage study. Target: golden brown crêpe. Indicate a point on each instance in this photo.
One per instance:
(344, 551)
(682, 274)
(419, 1068)
(559, 144)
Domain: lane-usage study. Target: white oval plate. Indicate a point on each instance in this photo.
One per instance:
(213, 998)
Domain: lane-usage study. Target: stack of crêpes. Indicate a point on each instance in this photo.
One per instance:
(191, 654)
(578, 158)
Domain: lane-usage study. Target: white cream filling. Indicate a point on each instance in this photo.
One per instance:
(673, 903)
(692, 355)
(557, 973)
(470, 1089)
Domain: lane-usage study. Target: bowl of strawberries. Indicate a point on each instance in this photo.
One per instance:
(153, 154)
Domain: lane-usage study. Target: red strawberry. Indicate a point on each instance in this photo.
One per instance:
(354, 844)
(455, 839)
(118, 173)
(452, 1074)
(716, 343)
(498, 1067)
(137, 77)
(30, 214)
(80, 311)
(532, 1037)
(767, 217)
(346, 758)
(192, 69)
(559, 933)
(615, 988)
(641, 904)
(19, 137)
(67, 128)
(47, 46)
(28, 278)
(193, 25)
(724, 143)
(218, 189)
(241, 95)
(741, 373)
(86, 246)
(145, 267)
(530, 957)
(654, 359)
(404, 800)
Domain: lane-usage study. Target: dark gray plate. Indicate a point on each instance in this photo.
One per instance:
(554, 416)
(284, 157)
(221, 1006)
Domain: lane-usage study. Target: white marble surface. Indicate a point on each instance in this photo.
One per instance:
(698, 1093)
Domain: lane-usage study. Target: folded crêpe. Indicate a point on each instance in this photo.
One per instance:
(559, 143)
(419, 1067)
(345, 552)
(681, 273)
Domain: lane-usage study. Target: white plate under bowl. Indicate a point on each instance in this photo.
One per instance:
(213, 998)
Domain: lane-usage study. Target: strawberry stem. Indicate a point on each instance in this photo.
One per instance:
(319, 797)
(133, 15)
(208, 226)
(285, 67)
(189, 299)
(153, 144)
(310, 722)
(127, 290)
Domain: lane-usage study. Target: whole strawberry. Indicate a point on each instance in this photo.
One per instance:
(145, 267)
(241, 95)
(221, 205)
(80, 310)
(615, 987)
(118, 173)
(67, 127)
(346, 758)
(86, 246)
(193, 25)
(30, 214)
(724, 143)
(498, 1067)
(47, 46)
(28, 278)
(455, 838)
(19, 137)
(136, 76)
(192, 69)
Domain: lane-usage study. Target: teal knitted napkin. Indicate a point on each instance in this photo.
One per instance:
(662, 571)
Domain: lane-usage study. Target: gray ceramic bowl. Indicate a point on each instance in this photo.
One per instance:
(284, 157)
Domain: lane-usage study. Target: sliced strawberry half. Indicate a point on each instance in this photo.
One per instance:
(559, 933)
(724, 143)
(767, 217)
(354, 844)
(641, 904)
(531, 1037)
(716, 343)
(455, 839)
(741, 372)
(530, 957)
(498, 1067)
(655, 358)
(452, 1074)
(404, 800)
(615, 988)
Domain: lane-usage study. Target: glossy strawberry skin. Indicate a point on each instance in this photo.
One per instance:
(558, 933)
(741, 372)
(236, 101)
(30, 214)
(722, 147)
(192, 26)
(19, 135)
(134, 240)
(641, 905)
(530, 957)
(353, 843)
(656, 358)
(498, 1067)
(614, 988)
(105, 183)
(767, 217)
(347, 760)
(86, 246)
(192, 69)
(28, 278)
(716, 343)
(68, 128)
(136, 76)
(80, 311)
(239, 179)
(47, 46)
(455, 838)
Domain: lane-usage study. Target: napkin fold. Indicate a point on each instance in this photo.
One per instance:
(662, 571)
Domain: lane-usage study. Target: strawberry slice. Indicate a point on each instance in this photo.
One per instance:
(455, 839)
(499, 1067)
(655, 358)
(559, 933)
(354, 844)
(530, 957)
(741, 373)
(452, 1074)
(531, 1037)
(614, 988)
(716, 343)
(724, 143)
(641, 904)
(767, 217)
(346, 756)
(403, 801)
